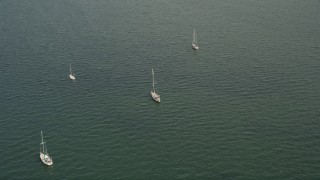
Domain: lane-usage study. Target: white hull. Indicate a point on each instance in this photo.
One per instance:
(46, 159)
(155, 96)
(194, 46)
(72, 77)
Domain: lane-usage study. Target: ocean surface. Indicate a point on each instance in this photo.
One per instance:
(246, 105)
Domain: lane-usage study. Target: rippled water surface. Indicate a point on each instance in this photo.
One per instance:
(245, 105)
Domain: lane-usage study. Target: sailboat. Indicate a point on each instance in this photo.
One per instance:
(71, 75)
(154, 95)
(44, 156)
(194, 40)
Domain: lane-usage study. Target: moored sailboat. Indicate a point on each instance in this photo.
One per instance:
(44, 156)
(154, 95)
(71, 75)
(194, 40)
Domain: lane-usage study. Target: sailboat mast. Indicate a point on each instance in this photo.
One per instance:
(194, 36)
(153, 80)
(70, 69)
(42, 142)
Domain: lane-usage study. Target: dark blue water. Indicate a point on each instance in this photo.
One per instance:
(246, 105)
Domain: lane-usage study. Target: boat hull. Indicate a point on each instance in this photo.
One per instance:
(155, 96)
(46, 159)
(71, 77)
(194, 46)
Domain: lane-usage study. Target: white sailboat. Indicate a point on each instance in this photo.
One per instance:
(194, 40)
(154, 95)
(71, 75)
(44, 156)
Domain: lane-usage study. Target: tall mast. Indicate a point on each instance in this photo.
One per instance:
(194, 32)
(70, 70)
(194, 36)
(41, 137)
(153, 81)
(42, 143)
